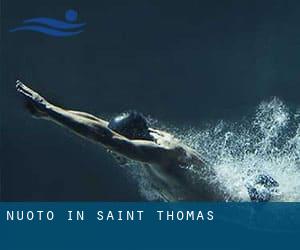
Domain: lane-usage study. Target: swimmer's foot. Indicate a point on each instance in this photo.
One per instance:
(34, 103)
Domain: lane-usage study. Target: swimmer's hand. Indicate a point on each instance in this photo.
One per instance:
(35, 103)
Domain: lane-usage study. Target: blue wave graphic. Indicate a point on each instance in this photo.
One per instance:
(55, 27)
(47, 31)
(53, 23)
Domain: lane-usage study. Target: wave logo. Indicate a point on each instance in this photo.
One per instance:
(53, 27)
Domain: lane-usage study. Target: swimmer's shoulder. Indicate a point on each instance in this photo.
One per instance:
(186, 156)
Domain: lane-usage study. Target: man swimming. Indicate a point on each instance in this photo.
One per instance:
(129, 135)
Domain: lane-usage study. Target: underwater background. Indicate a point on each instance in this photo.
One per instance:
(222, 75)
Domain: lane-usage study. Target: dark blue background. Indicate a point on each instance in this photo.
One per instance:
(182, 62)
(235, 226)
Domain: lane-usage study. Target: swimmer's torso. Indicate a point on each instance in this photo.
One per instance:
(177, 179)
(180, 183)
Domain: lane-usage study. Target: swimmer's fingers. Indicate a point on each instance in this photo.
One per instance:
(23, 89)
(37, 102)
(28, 93)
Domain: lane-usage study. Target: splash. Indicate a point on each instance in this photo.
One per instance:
(268, 142)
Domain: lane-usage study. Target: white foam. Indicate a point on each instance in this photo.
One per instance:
(268, 142)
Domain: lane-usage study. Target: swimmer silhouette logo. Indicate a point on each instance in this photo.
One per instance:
(53, 27)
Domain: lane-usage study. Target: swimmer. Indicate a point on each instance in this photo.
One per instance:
(129, 136)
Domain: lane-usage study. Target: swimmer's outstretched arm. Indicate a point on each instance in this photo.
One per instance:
(95, 129)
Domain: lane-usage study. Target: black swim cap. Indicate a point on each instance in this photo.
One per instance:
(132, 125)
